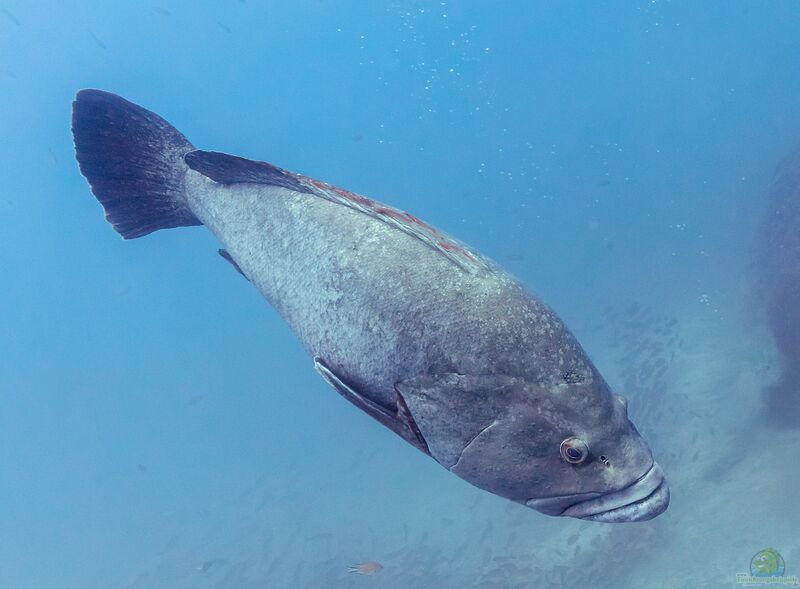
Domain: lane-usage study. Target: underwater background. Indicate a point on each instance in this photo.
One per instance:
(160, 427)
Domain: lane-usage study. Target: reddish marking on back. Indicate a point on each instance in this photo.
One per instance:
(401, 216)
(421, 223)
(351, 196)
(407, 221)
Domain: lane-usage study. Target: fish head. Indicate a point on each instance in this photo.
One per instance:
(569, 450)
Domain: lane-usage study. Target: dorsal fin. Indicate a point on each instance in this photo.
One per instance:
(231, 169)
(227, 256)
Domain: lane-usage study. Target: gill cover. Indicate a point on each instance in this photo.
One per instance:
(482, 428)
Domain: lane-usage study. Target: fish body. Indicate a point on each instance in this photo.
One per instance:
(378, 303)
(415, 328)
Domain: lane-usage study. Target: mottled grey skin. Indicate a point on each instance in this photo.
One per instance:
(377, 304)
(459, 359)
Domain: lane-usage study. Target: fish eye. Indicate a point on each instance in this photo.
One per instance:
(574, 450)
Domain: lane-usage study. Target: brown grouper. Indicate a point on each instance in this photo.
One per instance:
(413, 327)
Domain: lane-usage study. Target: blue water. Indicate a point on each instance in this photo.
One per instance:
(160, 427)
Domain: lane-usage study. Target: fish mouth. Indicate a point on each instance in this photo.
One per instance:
(642, 500)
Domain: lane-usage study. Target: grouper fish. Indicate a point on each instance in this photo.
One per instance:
(413, 327)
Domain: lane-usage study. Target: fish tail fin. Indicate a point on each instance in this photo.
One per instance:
(133, 160)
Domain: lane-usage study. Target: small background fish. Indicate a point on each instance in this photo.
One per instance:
(366, 568)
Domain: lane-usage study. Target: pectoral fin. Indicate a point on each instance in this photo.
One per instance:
(400, 421)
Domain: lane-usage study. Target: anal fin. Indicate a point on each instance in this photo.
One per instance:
(400, 422)
(227, 256)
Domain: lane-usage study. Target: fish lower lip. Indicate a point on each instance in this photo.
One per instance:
(642, 510)
(643, 500)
